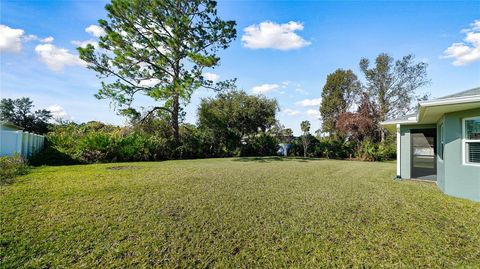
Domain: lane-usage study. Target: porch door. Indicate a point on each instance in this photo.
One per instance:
(423, 149)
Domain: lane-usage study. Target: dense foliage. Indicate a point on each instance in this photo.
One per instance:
(11, 167)
(19, 112)
(232, 124)
(234, 118)
(97, 142)
(360, 125)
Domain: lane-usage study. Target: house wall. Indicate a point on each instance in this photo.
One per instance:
(459, 180)
(440, 161)
(405, 140)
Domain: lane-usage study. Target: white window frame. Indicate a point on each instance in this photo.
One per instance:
(465, 141)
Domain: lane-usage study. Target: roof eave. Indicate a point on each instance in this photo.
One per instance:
(451, 101)
(395, 122)
(444, 102)
(432, 103)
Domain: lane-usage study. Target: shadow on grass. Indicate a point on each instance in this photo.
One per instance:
(52, 157)
(273, 159)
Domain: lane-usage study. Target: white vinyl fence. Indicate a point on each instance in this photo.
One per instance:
(24, 143)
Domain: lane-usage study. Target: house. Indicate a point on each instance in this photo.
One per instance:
(441, 143)
(13, 140)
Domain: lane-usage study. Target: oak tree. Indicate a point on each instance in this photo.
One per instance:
(235, 115)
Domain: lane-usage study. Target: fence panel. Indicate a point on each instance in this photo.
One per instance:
(24, 143)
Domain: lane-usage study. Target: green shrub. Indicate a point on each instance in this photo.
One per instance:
(94, 142)
(334, 148)
(314, 148)
(12, 166)
(262, 144)
(96, 147)
(196, 143)
(387, 151)
(368, 150)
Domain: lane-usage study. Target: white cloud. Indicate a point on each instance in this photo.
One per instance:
(57, 58)
(302, 91)
(264, 88)
(313, 113)
(29, 38)
(274, 36)
(95, 30)
(309, 102)
(291, 112)
(149, 82)
(48, 39)
(10, 39)
(84, 43)
(58, 112)
(468, 51)
(475, 25)
(285, 84)
(211, 76)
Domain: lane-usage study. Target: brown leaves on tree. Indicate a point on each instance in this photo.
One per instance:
(361, 124)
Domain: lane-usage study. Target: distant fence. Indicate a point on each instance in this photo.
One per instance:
(24, 143)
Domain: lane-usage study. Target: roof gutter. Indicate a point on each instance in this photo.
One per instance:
(393, 122)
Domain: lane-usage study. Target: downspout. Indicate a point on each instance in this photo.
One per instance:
(398, 177)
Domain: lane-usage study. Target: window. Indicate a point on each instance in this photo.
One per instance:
(441, 142)
(471, 140)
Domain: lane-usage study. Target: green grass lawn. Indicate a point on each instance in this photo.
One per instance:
(233, 213)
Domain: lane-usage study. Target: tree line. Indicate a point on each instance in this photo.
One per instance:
(161, 49)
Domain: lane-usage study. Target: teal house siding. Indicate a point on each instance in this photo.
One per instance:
(440, 160)
(463, 180)
(452, 165)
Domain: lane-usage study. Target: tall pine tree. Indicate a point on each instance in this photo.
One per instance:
(158, 49)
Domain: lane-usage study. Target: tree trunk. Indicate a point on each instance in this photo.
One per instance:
(382, 134)
(175, 118)
(383, 110)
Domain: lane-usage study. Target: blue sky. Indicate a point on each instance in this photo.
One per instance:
(284, 49)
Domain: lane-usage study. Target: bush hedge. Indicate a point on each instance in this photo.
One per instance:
(10, 167)
(97, 142)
